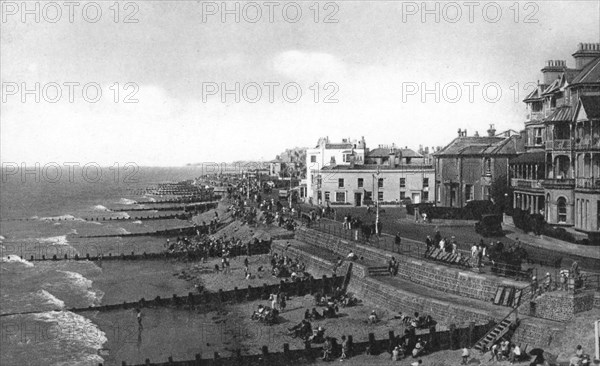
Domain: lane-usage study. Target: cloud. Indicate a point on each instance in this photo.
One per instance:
(313, 66)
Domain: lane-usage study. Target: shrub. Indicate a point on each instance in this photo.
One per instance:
(410, 208)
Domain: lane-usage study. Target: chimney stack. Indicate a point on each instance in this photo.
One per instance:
(585, 53)
(492, 131)
(553, 69)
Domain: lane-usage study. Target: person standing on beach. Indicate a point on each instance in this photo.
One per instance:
(139, 318)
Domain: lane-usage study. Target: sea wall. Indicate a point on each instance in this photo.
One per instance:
(536, 333)
(387, 296)
(559, 305)
(439, 277)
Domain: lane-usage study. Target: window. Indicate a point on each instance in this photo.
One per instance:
(340, 197)
(402, 182)
(561, 205)
(341, 183)
(425, 182)
(319, 181)
(360, 182)
(487, 166)
(347, 158)
(380, 196)
(380, 183)
(402, 195)
(313, 158)
(486, 193)
(326, 196)
(332, 160)
(537, 139)
(425, 196)
(319, 195)
(469, 192)
(368, 196)
(408, 160)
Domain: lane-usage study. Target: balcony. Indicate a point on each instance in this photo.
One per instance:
(558, 145)
(534, 116)
(526, 183)
(559, 183)
(588, 144)
(588, 183)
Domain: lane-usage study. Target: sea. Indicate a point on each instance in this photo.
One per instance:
(44, 214)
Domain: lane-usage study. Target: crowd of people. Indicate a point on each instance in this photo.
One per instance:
(505, 260)
(202, 247)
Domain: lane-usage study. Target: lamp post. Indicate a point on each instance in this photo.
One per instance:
(376, 202)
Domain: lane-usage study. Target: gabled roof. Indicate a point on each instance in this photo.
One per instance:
(589, 74)
(591, 106)
(556, 85)
(536, 94)
(473, 145)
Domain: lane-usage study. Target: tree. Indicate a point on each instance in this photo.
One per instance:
(501, 193)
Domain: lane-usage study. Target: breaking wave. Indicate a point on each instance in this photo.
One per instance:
(51, 299)
(16, 259)
(59, 218)
(83, 284)
(127, 201)
(100, 208)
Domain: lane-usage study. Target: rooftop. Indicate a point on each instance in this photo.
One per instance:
(590, 73)
(477, 145)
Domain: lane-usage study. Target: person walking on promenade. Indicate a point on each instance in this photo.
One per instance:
(465, 356)
(139, 318)
(344, 348)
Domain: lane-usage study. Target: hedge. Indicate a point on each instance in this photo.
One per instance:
(535, 223)
(472, 210)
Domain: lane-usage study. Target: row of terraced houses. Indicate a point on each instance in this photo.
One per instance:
(553, 165)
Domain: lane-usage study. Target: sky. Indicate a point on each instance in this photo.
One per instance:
(167, 73)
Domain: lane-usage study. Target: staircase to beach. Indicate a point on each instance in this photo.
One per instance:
(499, 331)
(378, 271)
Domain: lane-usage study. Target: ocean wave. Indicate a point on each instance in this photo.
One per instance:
(2, 238)
(83, 284)
(137, 222)
(100, 208)
(122, 231)
(127, 201)
(55, 240)
(51, 299)
(78, 279)
(16, 259)
(77, 332)
(59, 218)
(124, 215)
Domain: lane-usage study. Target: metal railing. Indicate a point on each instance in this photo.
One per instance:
(558, 144)
(591, 281)
(415, 249)
(587, 182)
